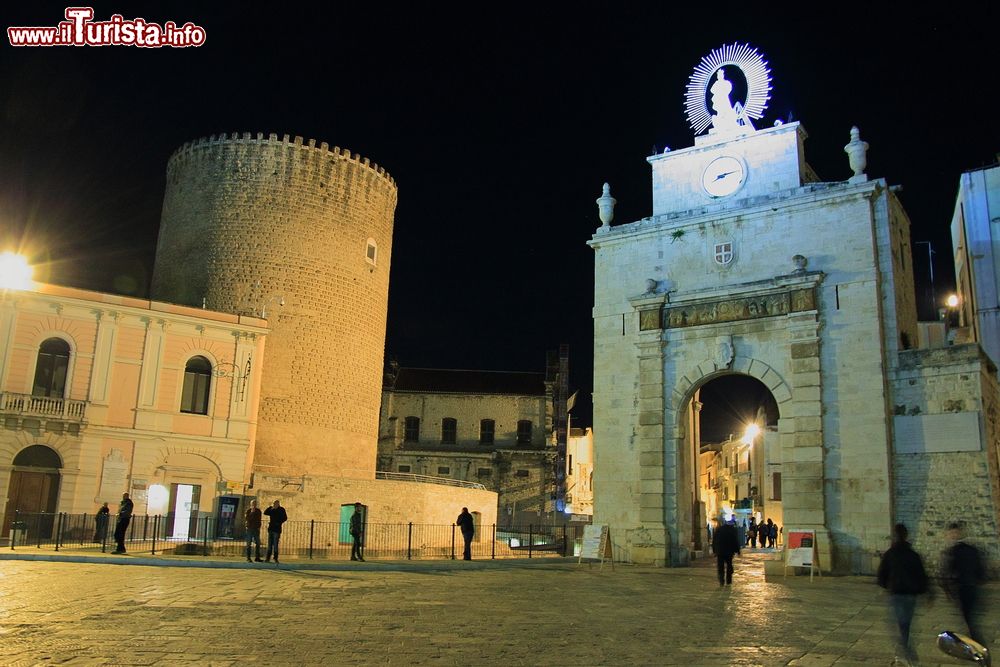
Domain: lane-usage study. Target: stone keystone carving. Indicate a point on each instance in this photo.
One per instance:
(725, 352)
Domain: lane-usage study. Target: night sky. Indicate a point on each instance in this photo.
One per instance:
(499, 122)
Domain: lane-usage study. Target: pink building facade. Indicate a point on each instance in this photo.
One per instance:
(103, 394)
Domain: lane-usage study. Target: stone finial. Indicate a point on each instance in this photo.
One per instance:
(606, 207)
(651, 285)
(800, 263)
(856, 156)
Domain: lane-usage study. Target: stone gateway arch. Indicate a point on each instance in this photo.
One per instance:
(806, 286)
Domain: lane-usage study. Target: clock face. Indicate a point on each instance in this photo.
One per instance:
(723, 176)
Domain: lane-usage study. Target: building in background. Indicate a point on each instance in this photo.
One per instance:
(976, 242)
(741, 477)
(580, 473)
(103, 394)
(494, 428)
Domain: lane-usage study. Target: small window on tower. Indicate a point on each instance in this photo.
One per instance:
(371, 253)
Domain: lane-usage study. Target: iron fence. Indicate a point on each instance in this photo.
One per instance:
(323, 540)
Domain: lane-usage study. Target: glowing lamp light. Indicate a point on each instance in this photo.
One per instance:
(15, 272)
(156, 498)
(952, 301)
(751, 433)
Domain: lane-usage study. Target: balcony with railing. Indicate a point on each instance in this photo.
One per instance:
(44, 407)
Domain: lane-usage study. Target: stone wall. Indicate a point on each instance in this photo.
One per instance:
(947, 406)
(248, 221)
(388, 501)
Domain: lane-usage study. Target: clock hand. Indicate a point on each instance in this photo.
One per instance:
(721, 176)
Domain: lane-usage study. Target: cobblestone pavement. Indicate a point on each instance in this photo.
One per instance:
(451, 613)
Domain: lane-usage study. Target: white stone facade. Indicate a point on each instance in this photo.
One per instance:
(804, 285)
(977, 257)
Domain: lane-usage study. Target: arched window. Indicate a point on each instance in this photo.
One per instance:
(50, 371)
(411, 429)
(524, 432)
(38, 456)
(449, 431)
(487, 428)
(197, 382)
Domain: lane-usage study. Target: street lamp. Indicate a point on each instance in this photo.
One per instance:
(15, 272)
(224, 369)
(750, 434)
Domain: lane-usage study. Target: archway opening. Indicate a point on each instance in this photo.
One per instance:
(734, 460)
(33, 492)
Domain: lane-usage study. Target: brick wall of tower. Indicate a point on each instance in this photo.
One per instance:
(248, 220)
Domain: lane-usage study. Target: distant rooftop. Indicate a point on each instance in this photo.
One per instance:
(447, 381)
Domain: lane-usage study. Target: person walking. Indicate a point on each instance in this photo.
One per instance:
(278, 516)
(468, 526)
(725, 544)
(769, 534)
(101, 523)
(962, 572)
(901, 573)
(752, 533)
(124, 518)
(357, 532)
(252, 518)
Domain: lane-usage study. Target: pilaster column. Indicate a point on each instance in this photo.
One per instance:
(104, 346)
(802, 478)
(657, 499)
(152, 363)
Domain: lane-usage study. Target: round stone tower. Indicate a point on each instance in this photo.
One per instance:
(302, 235)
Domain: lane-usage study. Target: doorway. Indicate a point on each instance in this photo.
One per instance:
(182, 512)
(34, 488)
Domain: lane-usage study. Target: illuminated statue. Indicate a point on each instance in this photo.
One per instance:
(724, 117)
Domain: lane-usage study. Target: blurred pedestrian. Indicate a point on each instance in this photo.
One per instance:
(752, 533)
(101, 523)
(357, 532)
(468, 526)
(124, 519)
(253, 519)
(278, 516)
(725, 544)
(770, 533)
(902, 574)
(962, 572)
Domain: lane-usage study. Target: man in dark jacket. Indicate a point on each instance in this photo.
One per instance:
(357, 532)
(468, 526)
(902, 574)
(961, 573)
(253, 520)
(121, 526)
(725, 544)
(278, 516)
